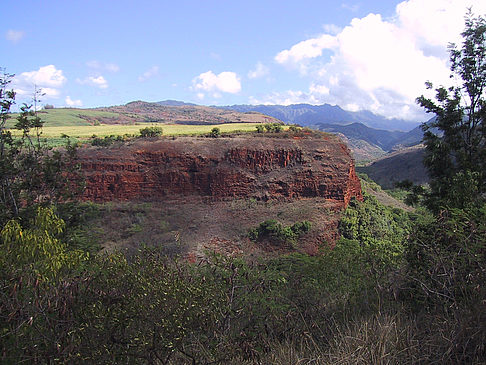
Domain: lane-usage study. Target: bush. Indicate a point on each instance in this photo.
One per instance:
(274, 127)
(260, 128)
(105, 141)
(278, 233)
(151, 132)
(215, 132)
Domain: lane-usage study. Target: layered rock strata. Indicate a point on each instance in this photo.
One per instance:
(248, 166)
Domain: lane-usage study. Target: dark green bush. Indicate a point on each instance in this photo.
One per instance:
(273, 127)
(151, 132)
(215, 132)
(106, 141)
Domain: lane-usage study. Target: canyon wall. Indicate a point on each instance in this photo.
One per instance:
(249, 166)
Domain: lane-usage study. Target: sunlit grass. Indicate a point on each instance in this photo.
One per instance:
(68, 117)
(84, 132)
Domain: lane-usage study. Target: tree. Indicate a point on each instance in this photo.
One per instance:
(30, 171)
(455, 140)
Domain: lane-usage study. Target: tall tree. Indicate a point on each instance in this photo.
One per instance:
(455, 140)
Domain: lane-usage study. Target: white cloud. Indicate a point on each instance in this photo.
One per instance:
(259, 71)
(70, 102)
(288, 97)
(309, 48)
(381, 64)
(14, 36)
(47, 78)
(227, 82)
(331, 29)
(97, 65)
(99, 81)
(151, 72)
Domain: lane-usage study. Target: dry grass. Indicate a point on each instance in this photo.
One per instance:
(86, 131)
(192, 225)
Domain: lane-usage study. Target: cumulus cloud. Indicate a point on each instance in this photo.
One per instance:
(227, 82)
(48, 78)
(309, 48)
(151, 72)
(70, 102)
(381, 64)
(288, 97)
(99, 81)
(259, 71)
(14, 36)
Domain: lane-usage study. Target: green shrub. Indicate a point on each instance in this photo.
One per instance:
(215, 132)
(106, 141)
(151, 132)
(278, 233)
(260, 128)
(274, 127)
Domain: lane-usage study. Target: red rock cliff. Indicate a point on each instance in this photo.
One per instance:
(243, 166)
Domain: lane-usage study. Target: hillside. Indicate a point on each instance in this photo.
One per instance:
(385, 139)
(369, 143)
(170, 112)
(405, 164)
(310, 115)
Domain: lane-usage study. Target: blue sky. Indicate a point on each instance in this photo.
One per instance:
(373, 55)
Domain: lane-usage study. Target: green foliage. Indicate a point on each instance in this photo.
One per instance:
(151, 132)
(215, 132)
(260, 128)
(446, 256)
(106, 140)
(278, 233)
(37, 250)
(273, 127)
(378, 232)
(30, 172)
(79, 233)
(455, 140)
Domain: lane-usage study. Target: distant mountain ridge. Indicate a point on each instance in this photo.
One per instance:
(311, 115)
(405, 164)
(385, 139)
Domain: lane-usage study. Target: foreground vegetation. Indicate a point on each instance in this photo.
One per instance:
(398, 287)
(385, 293)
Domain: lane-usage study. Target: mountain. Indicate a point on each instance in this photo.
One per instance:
(369, 143)
(405, 164)
(310, 115)
(379, 137)
(174, 103)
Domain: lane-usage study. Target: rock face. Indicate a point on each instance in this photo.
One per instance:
(250, 166)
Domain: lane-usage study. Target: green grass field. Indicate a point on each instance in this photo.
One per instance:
(68, 117)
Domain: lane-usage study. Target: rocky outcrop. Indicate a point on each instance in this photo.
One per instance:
(242, 166)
